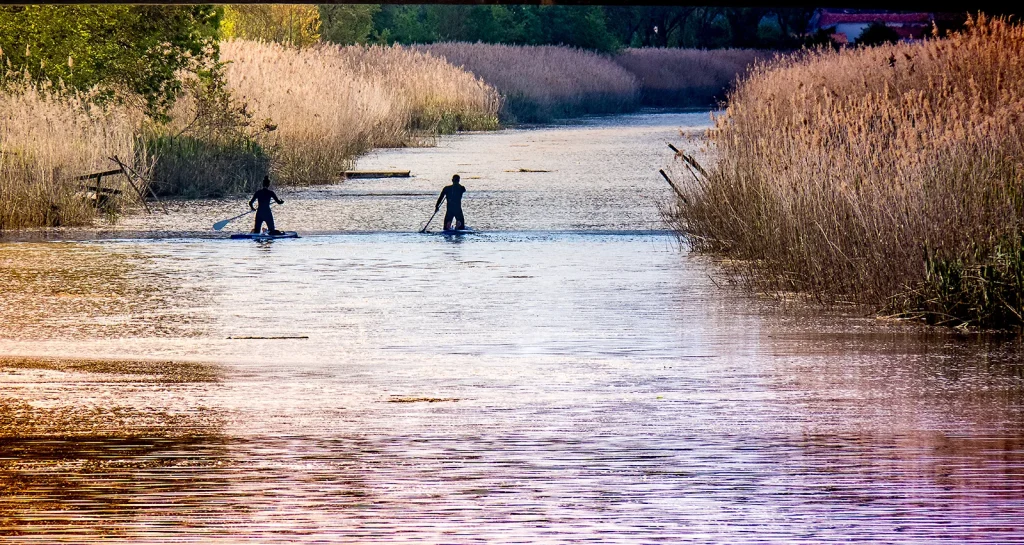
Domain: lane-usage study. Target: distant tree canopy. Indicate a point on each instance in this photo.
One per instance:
(602, 28)
(291, 24)
(347, 24)
(580, 26)
(138, 48)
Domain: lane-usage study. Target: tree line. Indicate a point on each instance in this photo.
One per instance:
(601, 28)
(140, 50)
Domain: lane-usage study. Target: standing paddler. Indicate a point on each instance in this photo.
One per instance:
(263, 213)
(453, 194)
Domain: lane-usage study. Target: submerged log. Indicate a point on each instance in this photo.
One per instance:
(376, 174)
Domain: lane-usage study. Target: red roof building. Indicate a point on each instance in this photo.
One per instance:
(846, 25)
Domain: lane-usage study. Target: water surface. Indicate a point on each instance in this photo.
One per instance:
(568, 374)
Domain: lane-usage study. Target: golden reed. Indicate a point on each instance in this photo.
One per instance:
(46, 139)
(843, 173)
(331, 103)
(541, 82)
(686, 77)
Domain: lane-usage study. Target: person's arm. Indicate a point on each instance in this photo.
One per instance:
(279, 201)
(252, 200)
(440, 198)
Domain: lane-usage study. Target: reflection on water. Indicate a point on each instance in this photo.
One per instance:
(99, 449)
(65, 290)
(509, 386)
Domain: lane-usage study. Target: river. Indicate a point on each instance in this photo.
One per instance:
(570, 373)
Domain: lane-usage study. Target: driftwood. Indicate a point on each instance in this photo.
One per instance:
(674, 187)
(690, 162)
(130, 173)
(376, 174)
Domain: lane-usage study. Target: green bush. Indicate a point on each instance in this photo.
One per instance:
(192, 167)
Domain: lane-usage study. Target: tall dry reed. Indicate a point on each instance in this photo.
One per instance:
(48, 138)
(540, 83)
(890, 176)
(327, 103)
(686, 77)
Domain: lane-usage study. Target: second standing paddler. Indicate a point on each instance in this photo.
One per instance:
(453, 194)
(263, 213)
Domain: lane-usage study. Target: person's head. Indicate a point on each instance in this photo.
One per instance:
(266, 181)
(455, 179)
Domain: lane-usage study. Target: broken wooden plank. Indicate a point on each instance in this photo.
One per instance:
(98, 175)
(376, 174)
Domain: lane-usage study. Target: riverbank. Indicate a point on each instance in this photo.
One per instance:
(885, 176)
(552, 178)
(545, 83)
(303, 115)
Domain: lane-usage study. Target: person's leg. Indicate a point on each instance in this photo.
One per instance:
(448, 219)
(259, 222)
(460, 221)
(270, 225)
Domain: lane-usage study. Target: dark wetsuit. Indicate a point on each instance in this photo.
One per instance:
(263, 214)
(453, 193)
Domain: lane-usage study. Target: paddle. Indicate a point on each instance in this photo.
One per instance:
(221, 224)
(424, 230)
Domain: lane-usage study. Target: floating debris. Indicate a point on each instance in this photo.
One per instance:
(406, 399)
(376, 174)
(272, 337)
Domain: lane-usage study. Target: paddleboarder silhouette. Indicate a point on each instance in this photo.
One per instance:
(263, 213)
(453, 194)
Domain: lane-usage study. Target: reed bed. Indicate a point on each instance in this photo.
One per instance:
(46, 139)
(888, 176)
(208, 146)
(540, 83)
(327, 104)
(686, 77)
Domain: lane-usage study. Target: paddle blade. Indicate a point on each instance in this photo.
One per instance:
(220, 225)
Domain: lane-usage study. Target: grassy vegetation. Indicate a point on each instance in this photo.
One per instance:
(301, 114)
(327, 104)
(686, 77)
(890, 176)
(541, 83)
(46, 138)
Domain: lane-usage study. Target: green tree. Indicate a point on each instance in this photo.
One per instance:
(140, 49)
(291, 24)
(402, 24)
(579, 26)
(649, 26)
(347, 24)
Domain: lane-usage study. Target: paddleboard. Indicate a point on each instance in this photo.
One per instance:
(262, 236)
(458, 231)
